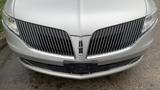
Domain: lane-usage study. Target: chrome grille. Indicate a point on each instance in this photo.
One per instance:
(46, 39)
(115, 37)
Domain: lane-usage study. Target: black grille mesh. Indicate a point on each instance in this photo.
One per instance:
(45, 38)
(115, 37)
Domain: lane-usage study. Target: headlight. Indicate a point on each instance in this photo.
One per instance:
(150, 21)
(151, 17)
(10, 22)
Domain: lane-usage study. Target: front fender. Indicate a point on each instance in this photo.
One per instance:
(9, 7)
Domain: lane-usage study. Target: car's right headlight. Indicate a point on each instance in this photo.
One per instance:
(10, 22)
(152, 15)
(150, 21)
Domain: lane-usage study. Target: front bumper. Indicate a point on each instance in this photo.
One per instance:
(81, 76)
(23, 50)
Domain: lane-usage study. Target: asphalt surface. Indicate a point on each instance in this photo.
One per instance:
(145, 76)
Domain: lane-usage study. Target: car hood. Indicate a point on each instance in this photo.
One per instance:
(79, 17)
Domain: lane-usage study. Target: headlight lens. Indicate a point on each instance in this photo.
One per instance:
(149, 21)
(151, 17)
(10, 22)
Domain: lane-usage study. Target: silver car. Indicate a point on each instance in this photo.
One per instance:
(79, 39)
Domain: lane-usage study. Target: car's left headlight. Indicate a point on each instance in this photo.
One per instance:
(10, 22)
(152, 15)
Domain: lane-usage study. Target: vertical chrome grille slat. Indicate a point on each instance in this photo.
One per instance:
(35, 36)
(123, 34)
(135, 31)
(115, 37)
(66, 43)
(27, 34)
(50, 43)
(45, 39)
(108, 39)
(23, 32)
(59, 43)
(107, 32)
(119, 37)
(69, 43)
(101, 40)
(53, 41)
(127, 33)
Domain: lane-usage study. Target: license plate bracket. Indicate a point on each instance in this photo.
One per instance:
(80, 68)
